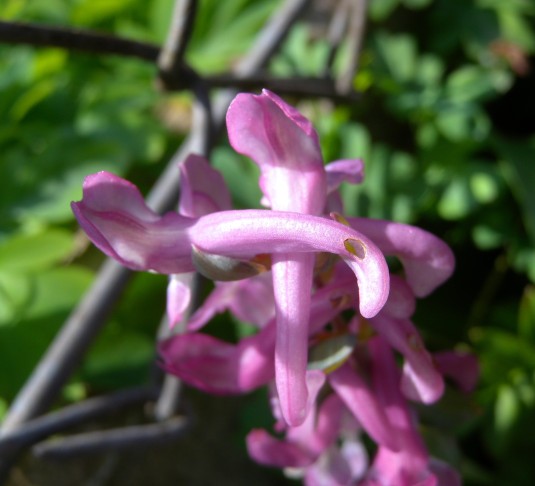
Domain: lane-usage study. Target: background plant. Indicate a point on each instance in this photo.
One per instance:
(445, 126)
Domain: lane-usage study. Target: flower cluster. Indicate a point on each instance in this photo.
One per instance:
(317, 286)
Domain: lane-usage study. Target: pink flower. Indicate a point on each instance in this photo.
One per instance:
(227, 245)
(282, 270)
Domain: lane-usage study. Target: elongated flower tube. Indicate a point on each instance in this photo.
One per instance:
(238, 368)
(285, 146)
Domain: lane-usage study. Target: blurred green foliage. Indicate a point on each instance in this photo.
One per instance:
(445, 125)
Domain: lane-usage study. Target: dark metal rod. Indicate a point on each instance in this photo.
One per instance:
(302, 87)
(357, 24)
(75, 39)
(113, 440)
(172, 53)
(270, 37)
(336, 33)
(69, 416)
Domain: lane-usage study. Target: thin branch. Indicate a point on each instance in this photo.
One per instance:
(175, 74)
(357, 14)
(76, 39)
(271, 36)
(72, 415)
(91, 42)
(114, 440)
(170, 59)
(336, 33)
(203, 129)
(302, 87)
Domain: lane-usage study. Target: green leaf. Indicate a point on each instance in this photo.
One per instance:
(211, 47)
(119, 358)
(381, 9)
(3, 408)
(89, 12)
(506, 409)
(484, 186)
(160, 13)
(23, 253)
(469, 83)
(15, 290)
(486, 237)
(417, 4)
(57, 290)
(464, 121)
(456, 201)
(398, 55)
(52, 295)
(517, 29)
(502, 352)
(429, 70)
(240, 174)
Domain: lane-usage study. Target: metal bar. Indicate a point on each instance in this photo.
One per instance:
(75, 39)
(299, 86)
(357, 23)
(114, 439)
(72, 415)
(170, 59)
(267, 43)
(336, 32)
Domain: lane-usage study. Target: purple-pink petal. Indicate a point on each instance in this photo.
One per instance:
(421, 380)
(285, 146)
(266, 449)
(250, 300)
(408, 465)
(361, 401)
(202, 361)
(292, 284)
(428, 261)
(116, 219)
(401, 302)
(178, 299)
(202, 188)
(218, 367)
(345, 170)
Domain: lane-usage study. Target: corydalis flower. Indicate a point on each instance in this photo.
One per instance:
(116, 219)
(206, 235)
